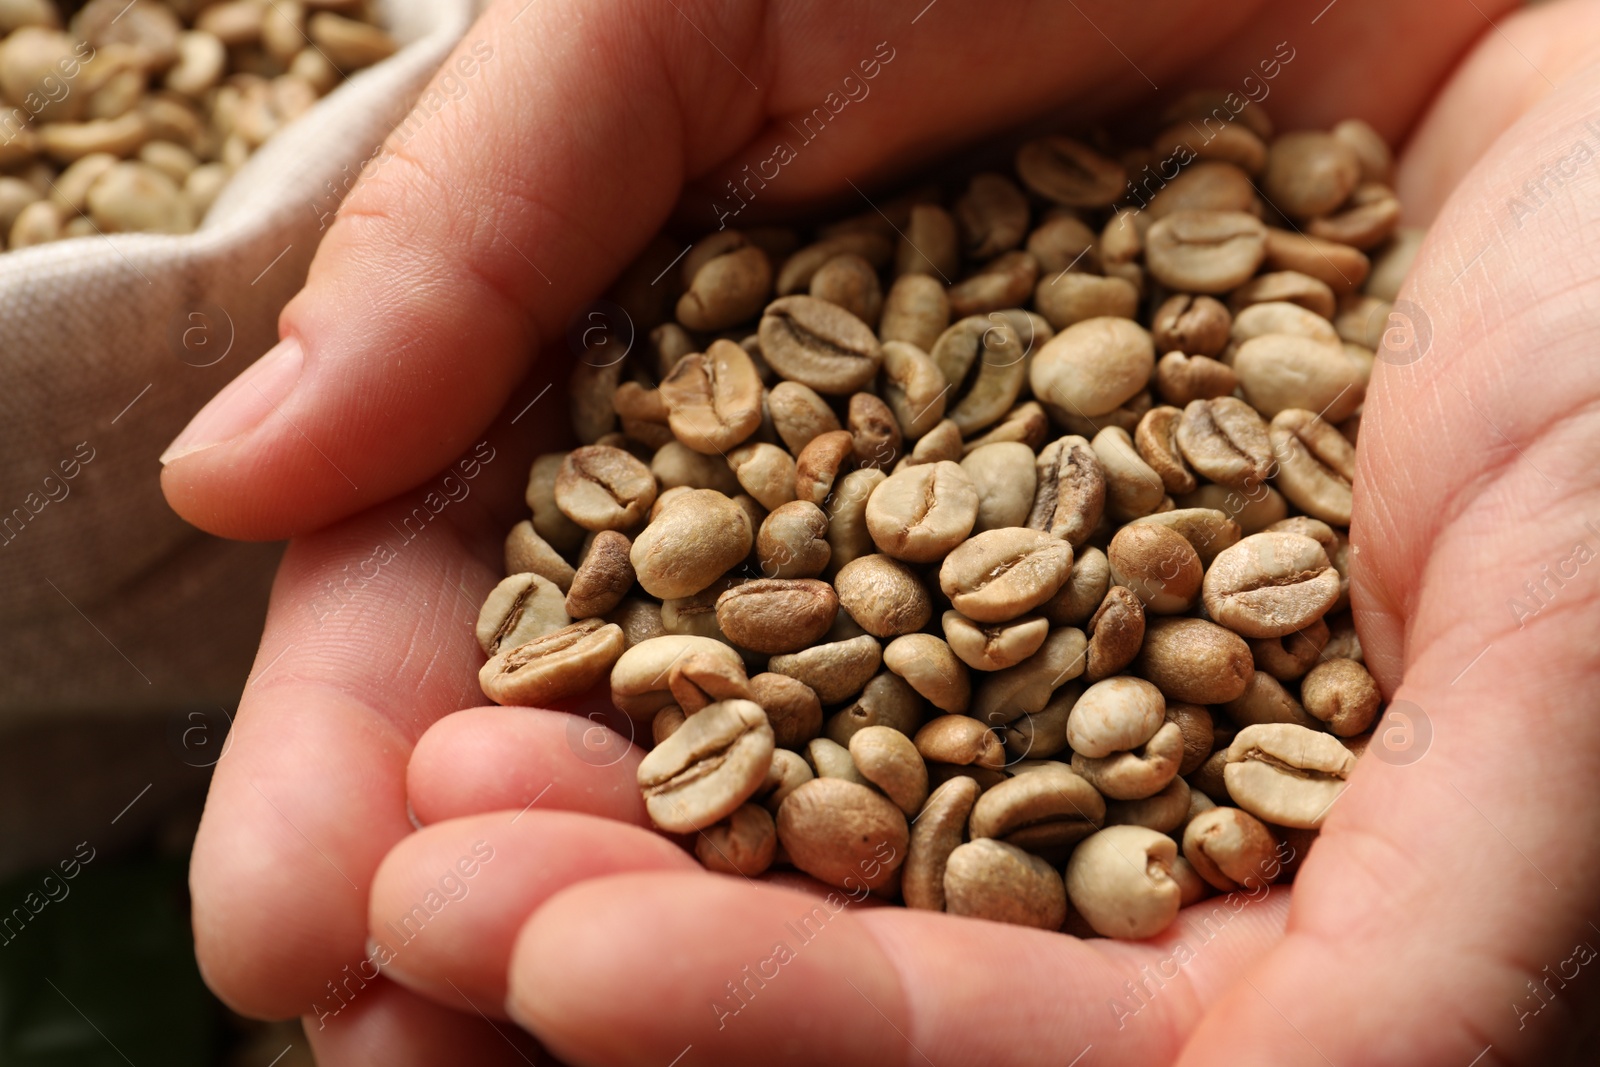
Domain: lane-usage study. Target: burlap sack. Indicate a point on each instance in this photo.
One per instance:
(108, 602)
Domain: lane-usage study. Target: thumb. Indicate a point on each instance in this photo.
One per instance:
(455, 258)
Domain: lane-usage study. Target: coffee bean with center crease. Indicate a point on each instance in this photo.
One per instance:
(1205, 251)
(843, 834)
(1231, 849)
(961, 740)
(921, 513)
(522, 607)
(604, 488)
(1136, 774)
(820, 464)
(772, 615)
(1226, 440)
(1192, 325)
(691, 544)
(935, 833)
(1287, 775)
(702, 678)
(1316, 465)
(555, 666)
(1069, 172)
(988, 879)
(726, 289)
(1270, 584)
(791, 706)
(1156, 438)
(1120, 881)
(883, 595)
(819, 345)
(1181, 379)
(1045, 808)
(913, 387)
(1194, 661)
(640, 678)
(1001, 574)
(1071, 493)
(711, 765)
(984, 363)
(993, 646)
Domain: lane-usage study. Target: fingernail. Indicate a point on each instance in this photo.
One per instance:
(243, 403)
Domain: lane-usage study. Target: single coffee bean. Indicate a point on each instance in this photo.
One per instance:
(702, 678)
(1115, 715)
(820, 464)
(1281, 371)
(1043, 733)
(1083, 592)
(883, 595)
(1004, 282)
(992, 880)
(772, 615)
(887, 758)
(1069, 172)
(1116, 633)
(1025, 689)
(1289, 657)
(1158, 565)
(667, 722)
(1026, 423)
(1368, 219)
(603, 578)
(1342, 694)
(1309, 173)
(1287, 775)
(640, 678)
(1209, 778)
(961, 740)
(819, 345)
(1164, 812)
(743, 843)
(843, 834)
(708, 768)
(1270, 584)
(792, 541)
(914, 388)
(766, 472)
(1000, 574)
(792, 708)
(832, 760)
(691, 544)
(1210, 185)
(788, 772)
(932, 669)
(1092, 367)
(984, 363)
(849, 281)
(527, 552)
(1132, 487)
(992, 215)
(1194, 661)
(1191, 325)
(1182, 379)
(1369, 147)
(602, 488)
(993, 646)
(920, 513)
(916, 311)
(1339, 266)
(676, 464)
(849, 536)
(639, 618)
(1069, 297)
(1265, 700)
(1048, 807)
(1226, 441)
(836, 671)
(1284, 286)
(1231, 849)
(1316, 465)
(1120, 881)
(799, 415)
(1003, 474)
(1071, 493)
(554, 666)
(519, 609)
(1207, 530)
(1205, 251)
(1062, 242)
(1136, 774)
(1199, 736)
(935, 833)
(1157, 441)
(726, 290)
(928, 244)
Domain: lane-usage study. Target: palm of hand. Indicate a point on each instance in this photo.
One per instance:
(1455, 858)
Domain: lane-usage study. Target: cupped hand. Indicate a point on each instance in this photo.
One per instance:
(1432, 896)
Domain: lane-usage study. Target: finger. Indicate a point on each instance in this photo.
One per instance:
(1466, 871)
(448, 900)
(468, 242)
(375, 1023)
(720, 971)
(497, 759)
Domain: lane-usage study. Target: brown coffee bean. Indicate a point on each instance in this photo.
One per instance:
(766, 472)
(1025, 689)
(1252, 509)
(993, 646)
(913, 387)
(1205, 251)
(744, 843)
(843, 834)
(886, 757)
(713, 400)
(1116, 632)
(677, 465)
(874, 432)
(797, 271)
(1235, 143)
(932, 669)
(1265, 700)
(980, 397)
(992, 215)
(1189, 324)
(699, 679)
(1062, 242)
(883, 595)
(640, 619)
(1004, 475)
(602, 488)
(1136, 774)
(1368, 146)
(640, 677)
(1132, 487)
(1158, 565)
(920, 513)
(792, 708)
(992, 880)
(799, 415)
(1182, 379)
(519, 609)
(668, 721)
(916, 311)
(1001, 574)
(959, 739)
(819, 345)
(1284, 286)
(1082, 593)
(773, 615)
(1043, 733)
(1157, 442)
(935, 833)
(1342, 694)
(943, 442)
(691, 544)
(603, 578)
(1163, 812)
(848, 534)
(1119, 880)
(1309, 173)
(1341, 267)
(1287, 658)
(1270, 584)
(886, 700)
(1199, 735)
(1287, 775)
(1092, 367)
(792, 541)
(836, 671)
(820, 464)
(831, 760)
(1279, 371)
(1070, 297)
(849, 281)
(928, 243)
(1194, 661)
(1231, 850)
(696, 614)
(1226, 441)
(555, 666)
(1044, 808)
(1004, 282)
(589, 392)
(1026, 423)
(527, 552)
(1069, 173)
(1316, 465)
(1210, 185)
(1071, 492)
(725, 289)
(707, 768)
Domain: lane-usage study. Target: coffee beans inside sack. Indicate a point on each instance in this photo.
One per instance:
(989, 551)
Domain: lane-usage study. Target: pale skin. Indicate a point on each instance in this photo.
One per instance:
(1438, 890)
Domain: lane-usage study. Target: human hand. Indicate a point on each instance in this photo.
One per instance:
(370, 702)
